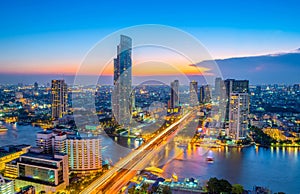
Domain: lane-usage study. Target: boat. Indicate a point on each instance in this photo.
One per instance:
(210, 159)
(3, 128)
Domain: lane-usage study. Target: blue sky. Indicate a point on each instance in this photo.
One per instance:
(53, 33)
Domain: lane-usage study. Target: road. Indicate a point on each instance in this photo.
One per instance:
(125, 169)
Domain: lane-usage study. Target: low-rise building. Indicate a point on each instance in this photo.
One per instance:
(45, 172)
(11, 152)
(6, 186)
(11, 169)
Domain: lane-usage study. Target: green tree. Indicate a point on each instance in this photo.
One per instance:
(131, 190)
(167, 190)
(215, 186)
(225, 186)
(145, 187)
(237, 189)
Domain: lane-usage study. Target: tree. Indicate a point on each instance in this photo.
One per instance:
(145, 187)
(213, 185)
(131, 190)
(225, 186)
(167, 190)
(237, 189)
(216, 186)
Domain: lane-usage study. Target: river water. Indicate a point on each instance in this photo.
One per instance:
(275, 168)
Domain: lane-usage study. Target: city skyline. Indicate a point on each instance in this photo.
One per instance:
(149, 97)
(48, 46)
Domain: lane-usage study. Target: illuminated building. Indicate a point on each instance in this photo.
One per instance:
(44, 141)
(36, 86)
(59, 95)
(19, 95)
(233, 86)
(174, 98)
(84, 154)
(218, 87)
(50, 142)
(193, 93)
(45, 172)
(11, 152)
(205, 94)
(11, 169)
(6, 186)
(238, 115)
(236, 86)
(122, 99)
(59, 143)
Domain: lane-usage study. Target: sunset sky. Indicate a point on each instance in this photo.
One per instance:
(53, 37)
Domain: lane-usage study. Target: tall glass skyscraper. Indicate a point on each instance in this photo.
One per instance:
(122, 100)
(194, 93)
(174, 98)
(59, 94)
(237, 107)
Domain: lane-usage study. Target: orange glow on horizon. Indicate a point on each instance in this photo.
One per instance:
(140, 69)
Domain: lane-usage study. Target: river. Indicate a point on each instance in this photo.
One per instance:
(275, 168)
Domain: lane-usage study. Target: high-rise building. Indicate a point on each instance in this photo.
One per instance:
(84, 154)
(45, 172)
(296, 87)
(236, 86)
(238, 115)
(218, 87)
(6, 186)
(59, 143)
(205, 94)
(36, 86)
(174, 98)
(122, 99)
(59, 98)
(258, 90)
(194, 93)
(236, 94)
(44, 141)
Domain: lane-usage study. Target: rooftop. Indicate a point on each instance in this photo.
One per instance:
(40, 156)
(9, 149)
(45, 132)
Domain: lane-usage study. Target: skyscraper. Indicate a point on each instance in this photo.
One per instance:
(205, 94)
(174, 98)
(59, 98)
(237, 107)
(218, 87)
(193, 93)
(36, 86)
(122, 100)
(238, 115)
(236, 86)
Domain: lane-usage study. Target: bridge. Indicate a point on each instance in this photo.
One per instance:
(125, 169)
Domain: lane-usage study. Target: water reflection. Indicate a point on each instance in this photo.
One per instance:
(277, 168)
(248, 166)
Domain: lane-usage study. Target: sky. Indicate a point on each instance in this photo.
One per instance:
(53, 37)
